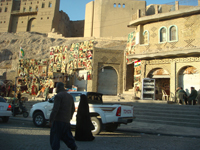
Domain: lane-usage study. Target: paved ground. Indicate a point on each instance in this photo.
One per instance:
(148, 128)
(23, 135)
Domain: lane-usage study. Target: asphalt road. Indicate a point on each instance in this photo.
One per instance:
(23, 135)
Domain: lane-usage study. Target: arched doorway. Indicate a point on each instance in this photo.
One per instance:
(31, 25)
(189, 76)
(162, 81)
(107, 81)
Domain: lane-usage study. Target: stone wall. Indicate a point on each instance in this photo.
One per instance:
(108, 57)
(187, 35)
(105, 18)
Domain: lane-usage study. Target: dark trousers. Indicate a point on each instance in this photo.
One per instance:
(61, 131)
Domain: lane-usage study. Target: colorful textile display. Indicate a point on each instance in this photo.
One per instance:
(130, 47)
(66, 59)
(137, 74)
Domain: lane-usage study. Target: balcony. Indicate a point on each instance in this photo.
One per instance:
(21, 12)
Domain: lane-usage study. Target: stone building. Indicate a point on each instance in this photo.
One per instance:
(109, 18)
(108, 70)
(37, 16)
(168, 47)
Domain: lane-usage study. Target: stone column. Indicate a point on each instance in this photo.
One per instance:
(156, 9)
(138, 13)
(198, 2)
(173, 81)
(176, 5)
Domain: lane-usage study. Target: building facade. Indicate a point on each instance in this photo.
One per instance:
(169, 50)
(41, 16)
(109, 18)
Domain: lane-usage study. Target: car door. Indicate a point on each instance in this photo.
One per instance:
(3, 106)
(49, 107)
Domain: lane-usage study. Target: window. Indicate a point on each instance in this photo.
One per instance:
(119, 5)
(123, 5)
(50, 4)
(146, 37)
(36, 8)
(30, 8)
(47, 17)
(115, 5)
(173, 34)
(43, 5)
(24, 9)
(0, 10)
(6, 9)
(163, 34)
(2, 100)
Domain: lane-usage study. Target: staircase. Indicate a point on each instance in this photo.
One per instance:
(157, 111)
(170, 114)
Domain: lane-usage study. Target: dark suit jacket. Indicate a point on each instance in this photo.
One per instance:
(193, 95)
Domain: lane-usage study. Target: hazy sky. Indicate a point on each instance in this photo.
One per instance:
(76, 8)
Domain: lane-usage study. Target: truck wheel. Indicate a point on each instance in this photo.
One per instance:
(111, 127)
(97, 125)
(39, 120)
(5, 119)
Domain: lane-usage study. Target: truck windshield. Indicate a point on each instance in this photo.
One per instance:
(94, 98)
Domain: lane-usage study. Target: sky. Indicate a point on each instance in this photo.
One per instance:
(76, 8)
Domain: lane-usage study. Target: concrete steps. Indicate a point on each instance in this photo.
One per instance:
(155, 111)
(170, 114)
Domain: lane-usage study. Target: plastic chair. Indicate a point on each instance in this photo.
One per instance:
(164, 95)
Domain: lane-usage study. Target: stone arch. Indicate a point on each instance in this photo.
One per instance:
(108, 80)
(188, 76)
(159, 70)
(162, 81)
(31, 25)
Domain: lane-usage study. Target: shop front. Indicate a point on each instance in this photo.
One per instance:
(162, 82)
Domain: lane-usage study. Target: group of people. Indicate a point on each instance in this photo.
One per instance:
(183, 98)
(61, 115)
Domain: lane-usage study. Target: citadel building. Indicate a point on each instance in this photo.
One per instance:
(37, 16)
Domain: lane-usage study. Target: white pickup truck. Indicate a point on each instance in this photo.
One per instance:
(103, 115)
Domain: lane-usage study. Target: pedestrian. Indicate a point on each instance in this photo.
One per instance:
(60, 117)
(192, 96)
(182, 96)
(46, 92)
(83, 121)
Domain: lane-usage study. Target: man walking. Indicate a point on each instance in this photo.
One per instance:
(60, 117)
